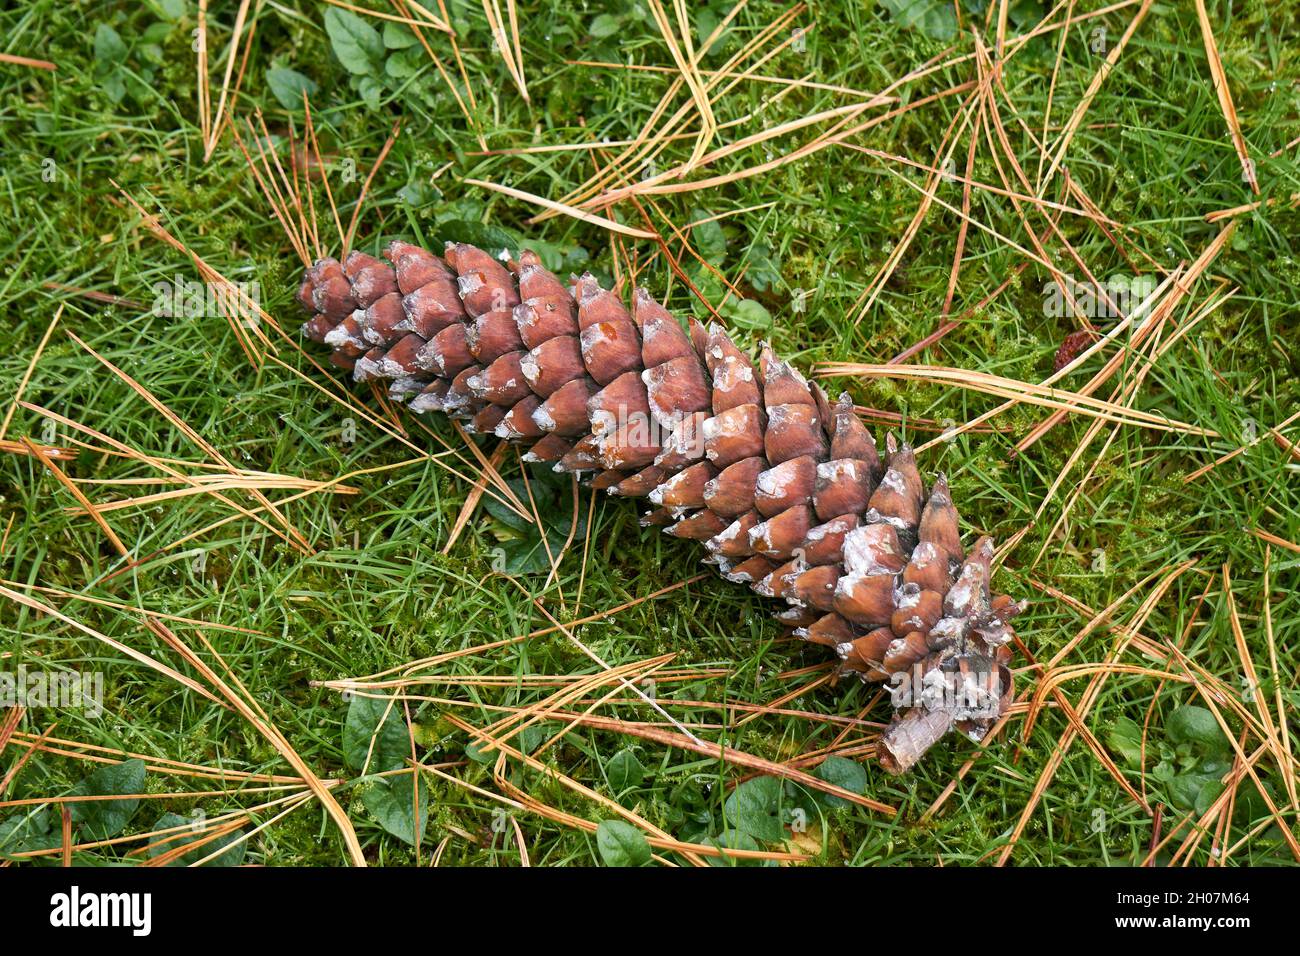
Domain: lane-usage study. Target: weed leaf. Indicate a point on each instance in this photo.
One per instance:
(102, 819)
(621, 844)
(391, 744)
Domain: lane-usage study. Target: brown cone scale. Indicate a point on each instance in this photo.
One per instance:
(785, 489)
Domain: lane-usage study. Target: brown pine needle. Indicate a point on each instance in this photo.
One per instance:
(428, 19)
(219, 121)
(1026, 392)
(1288, 771)
(204, 82)
(1220, 79)
(1086, 701)
(567, 210)
(251, 711)
(507, 45)
(1274, 539)
(474, 496)
(31, 367)
(295, 536)
(138, 656)
(1108, 65)
(314, 145)
(365, 187)
(77, 493)
(27, 61)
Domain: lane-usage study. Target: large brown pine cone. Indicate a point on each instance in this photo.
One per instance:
(785, 489)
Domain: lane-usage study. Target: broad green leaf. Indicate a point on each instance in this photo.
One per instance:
(530, 738)
(110, 51)
(844, 773)
(233, 856)
(172, 10)
(1183, 790)
(288, 86)
(1207, 794)
(26, 831)
(763, 270)
(624, 771)
(404, 63)
(605, 25)
(489, 238)
(102, 819)
(366, 722)
(621, 844)
(398, 36)
(1196, 727)
(706, 21)
(371, 89)
(560, 258)
(708, 238)
(520, 548)
(747, 314)
(733, 840)
(392, 802)
(479, 755)
(156, 33)
(934, 18)
(418, 194)
(710, 290)
(754, 807)
(356, 43)
(1125, 737)
(114, 86)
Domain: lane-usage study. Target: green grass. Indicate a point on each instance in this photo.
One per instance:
(1154, 154)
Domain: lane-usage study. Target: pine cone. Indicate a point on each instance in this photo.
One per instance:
(785, 489)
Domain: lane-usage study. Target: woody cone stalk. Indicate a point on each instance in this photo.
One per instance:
(785, 489)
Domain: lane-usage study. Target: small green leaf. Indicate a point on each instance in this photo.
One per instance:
(23, 832)
(755, 808)
(708, 238)
(398, 36)
(764, 270)
(288, 86)
(172, 10)
(706, 21)
(1125, 737)
(233, 856)
(156, 33)
(366, 721)
(479, 755)
(1196, 727)
(110, 51)
(392, 803)
(934, 18)
(733, 840)
(356, 43)
(621, 844)
(605, 25)
(404, 63)
(844, 773)
(371, 89)
(106, 818)
(530, 738)
(710, 289)
(521, 549)
(1207, 794)
(114, 86)
(624, 771)
(747, 314)
(417, 194)
(490, 238)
